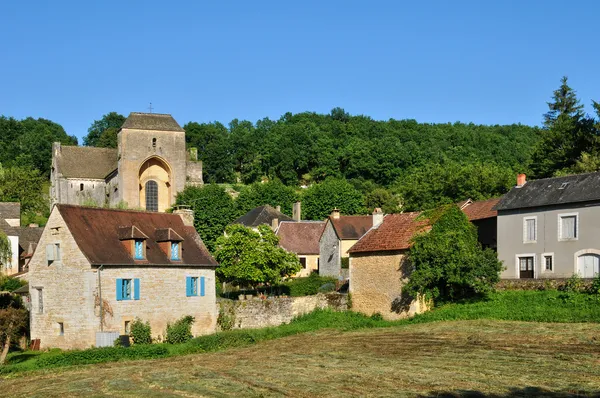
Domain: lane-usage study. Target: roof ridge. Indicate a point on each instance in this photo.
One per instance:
(567, 176)
(150, 114)
(112, 209)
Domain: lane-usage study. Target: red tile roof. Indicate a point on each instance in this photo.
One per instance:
(300, 237)
(351, 227)
(96, 232)
(395, 233)
(480, 209)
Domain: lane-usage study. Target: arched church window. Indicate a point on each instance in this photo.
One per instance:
(151, 196)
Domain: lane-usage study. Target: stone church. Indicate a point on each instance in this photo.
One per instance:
(146, 171)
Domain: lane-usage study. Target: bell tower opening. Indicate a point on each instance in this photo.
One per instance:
(155, 185)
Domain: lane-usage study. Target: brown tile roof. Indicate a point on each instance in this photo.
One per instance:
(300, 237)
(480, 209)
(395, 233)
(96, 232)
(261, 215)
(86, 162)
(351, 227)
(151, 121)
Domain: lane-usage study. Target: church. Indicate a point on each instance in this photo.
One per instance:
(146, 171)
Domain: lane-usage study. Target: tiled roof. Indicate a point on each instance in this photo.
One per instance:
(351, 227)
(301, 237)
(394, 233)
(29, 235)
(553, 191)
(480, 209)
(151, 121)
(261, 215)
(10, 210)
(86, 162)
(96, 232)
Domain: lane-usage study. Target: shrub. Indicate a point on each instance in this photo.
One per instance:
(226, 318)
(9, 284)
(595, 286)
(180, 331)
(96, 355)
(574, 284)
(345, 263)
(141, 332)
(309, 285)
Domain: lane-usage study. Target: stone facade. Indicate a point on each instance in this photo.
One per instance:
(330, 258)
(64, 294)
(376, 281)
(312, 264)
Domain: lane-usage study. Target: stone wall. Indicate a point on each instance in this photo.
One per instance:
(258, 313)
(329, 258)
(538, 284)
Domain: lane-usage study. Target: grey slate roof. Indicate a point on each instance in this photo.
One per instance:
(151, 121)
(261, 215)
(553, 191)
(10, 210)
(86, 162)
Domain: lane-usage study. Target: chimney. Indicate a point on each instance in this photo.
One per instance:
(274, 224)
(186, 214)
(521, 180)
(335, 214)
(297, 211)
(278, 208)
(377, 216)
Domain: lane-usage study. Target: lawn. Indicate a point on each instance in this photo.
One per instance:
(424, 359)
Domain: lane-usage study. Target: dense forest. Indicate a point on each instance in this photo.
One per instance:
(335, 160)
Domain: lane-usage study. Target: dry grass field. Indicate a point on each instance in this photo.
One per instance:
(498, 358)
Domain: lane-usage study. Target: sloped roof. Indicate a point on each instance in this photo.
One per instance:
(300, 237)
(29, 235)
(480, 209)
(151, 121)
(10, 210)
(553, 191)
(351, 227)
(86, 162)
(394, 233)
(261, 215)
(96, 232)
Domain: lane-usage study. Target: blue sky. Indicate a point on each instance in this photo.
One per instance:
(433, 61)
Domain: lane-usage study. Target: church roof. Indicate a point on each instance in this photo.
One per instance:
(151, 121)
(86, 162)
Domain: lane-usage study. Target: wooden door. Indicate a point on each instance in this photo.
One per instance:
(588, 265)
(525, 267)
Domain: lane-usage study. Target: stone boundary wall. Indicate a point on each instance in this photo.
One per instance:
(258, 313)
(538, 284)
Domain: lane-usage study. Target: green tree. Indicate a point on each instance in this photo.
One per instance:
(5, 250)
(24, 185)
(213, 210)
(13, 322)
(108, 138)
(272, 193)
(448, 262)
(214, 149)
(98, 128)
(320, 199)
(384, 199)
(251, 258)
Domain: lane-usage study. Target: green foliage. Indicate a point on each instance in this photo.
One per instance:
(24, 185)
(213, 210)
(272, 193)
(180, 331)
(9, 300)
(226, 318)
(98, 355)
(574, 284)
(13, 324)
(345, 262)
(9, 283)
(595, 286)
(141, 332)
(102, 133)
(251, 258)
(308, 286)
(448, 261)
(384, 199)
(320, 199)
(214, 150)
(5, 251)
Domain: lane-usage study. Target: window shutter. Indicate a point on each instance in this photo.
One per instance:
(136, 289)
(202, 286)
(50, 253)
(119, 289)
(188, 286)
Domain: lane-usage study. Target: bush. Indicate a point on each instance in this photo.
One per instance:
(345, 263)
(9, 284)
(96, 355)
(180, 331)
(595, 286)
(141, 332)
(309, 285)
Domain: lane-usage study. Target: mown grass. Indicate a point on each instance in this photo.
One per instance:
(531, 306)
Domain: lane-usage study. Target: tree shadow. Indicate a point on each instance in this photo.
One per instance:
(18, 358)
(513, 393)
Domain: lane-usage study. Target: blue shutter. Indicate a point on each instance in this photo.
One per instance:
(136, 289)
(188, 286)
(202, 286)
(119, 289)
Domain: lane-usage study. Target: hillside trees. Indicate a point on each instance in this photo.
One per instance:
(320, 199)
(272, 193)
(102, 133)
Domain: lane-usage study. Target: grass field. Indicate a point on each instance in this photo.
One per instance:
(427, 359)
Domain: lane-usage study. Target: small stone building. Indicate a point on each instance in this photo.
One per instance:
(302, 238)
(146, 171)
(132, 264)
(23, 240)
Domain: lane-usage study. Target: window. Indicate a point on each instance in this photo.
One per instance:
(568, 227)
(153, 142)
(175, 251)
(40, 293)
(303, 262)
(151, 196)
(529, 229)
(548, 262)
(139, 250)
(127, 327)
(194, 285)
(61, 329)
(128, 289)
(58, 253)
(81, 187)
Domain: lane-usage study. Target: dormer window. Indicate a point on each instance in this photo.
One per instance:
(134, 241)
(175, 251)
(139, 249)
(170, 243)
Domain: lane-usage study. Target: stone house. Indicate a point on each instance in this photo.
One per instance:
(483, 215)
(550, 228)
(302, 238)
(378, 269)
(132, 264)
(339, 234)
(23, 240)
(146, 171)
